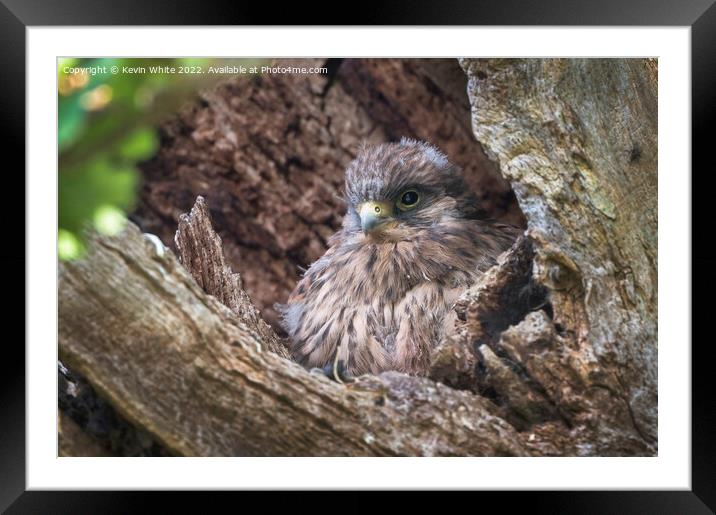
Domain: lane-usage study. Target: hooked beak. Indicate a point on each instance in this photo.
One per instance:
(374, 214)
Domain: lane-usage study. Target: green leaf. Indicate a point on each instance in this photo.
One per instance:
(109, 220)
(71, 121)
(101, 182)
(69, 245)
(139, 145)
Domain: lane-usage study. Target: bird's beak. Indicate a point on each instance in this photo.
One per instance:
(374, 214)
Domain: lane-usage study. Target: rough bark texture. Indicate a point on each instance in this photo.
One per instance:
(178, 363)
(577, 138)
(201, 253)
(269, 155)
(89, 426)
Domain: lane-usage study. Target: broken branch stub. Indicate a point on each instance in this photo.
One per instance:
(201, 252)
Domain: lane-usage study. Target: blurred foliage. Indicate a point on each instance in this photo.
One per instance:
(106, 125)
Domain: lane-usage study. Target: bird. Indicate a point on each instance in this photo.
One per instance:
(412, 240)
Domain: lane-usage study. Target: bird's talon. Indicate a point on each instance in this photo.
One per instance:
(335, 370)
(340, 373)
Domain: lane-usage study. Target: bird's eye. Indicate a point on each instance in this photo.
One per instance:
(408, 200)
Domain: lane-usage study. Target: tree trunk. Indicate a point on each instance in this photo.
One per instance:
(554, 350)
(577, 138)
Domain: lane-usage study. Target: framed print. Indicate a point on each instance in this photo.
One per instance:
(280, 257)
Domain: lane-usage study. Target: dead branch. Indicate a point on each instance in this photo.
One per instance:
(201, 253)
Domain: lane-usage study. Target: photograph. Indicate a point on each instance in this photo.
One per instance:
(436, 248)
(359, 256)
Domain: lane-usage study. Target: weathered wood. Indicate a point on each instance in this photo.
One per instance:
(201, 252)
(577, 138)
(92, 419)
(178, 363)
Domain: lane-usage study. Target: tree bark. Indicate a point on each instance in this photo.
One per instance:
(202, 254)
(577, 138)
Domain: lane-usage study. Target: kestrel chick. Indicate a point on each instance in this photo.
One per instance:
(411, 242)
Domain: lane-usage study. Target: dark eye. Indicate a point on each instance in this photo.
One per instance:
(408, 199)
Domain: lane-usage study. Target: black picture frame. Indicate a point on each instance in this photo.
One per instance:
(700, 15)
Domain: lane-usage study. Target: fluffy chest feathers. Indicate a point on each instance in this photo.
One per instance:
(383, 305)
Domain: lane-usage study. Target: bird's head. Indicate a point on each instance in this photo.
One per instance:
(394, 190)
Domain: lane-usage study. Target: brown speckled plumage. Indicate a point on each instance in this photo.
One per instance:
(381, 299)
